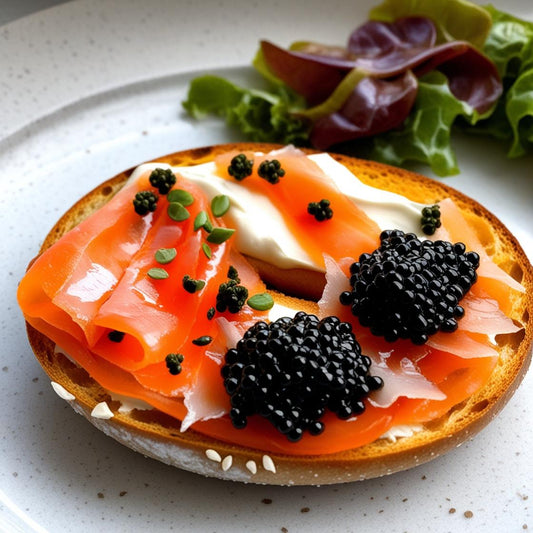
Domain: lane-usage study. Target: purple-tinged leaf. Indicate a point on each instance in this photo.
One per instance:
(313, 77)
(474, 79)
(374, 106)
(386, 50)
(376, 39)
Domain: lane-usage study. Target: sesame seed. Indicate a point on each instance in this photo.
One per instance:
(268, 464)
(227, 462)
(213, 455)
(62, 392)
(251, 466)
(101, 410)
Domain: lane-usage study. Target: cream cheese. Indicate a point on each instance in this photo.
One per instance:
(128, 404)
(401, 431)
(261, 230)
(280, 311)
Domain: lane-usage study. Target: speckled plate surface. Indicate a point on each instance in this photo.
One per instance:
(90, 88)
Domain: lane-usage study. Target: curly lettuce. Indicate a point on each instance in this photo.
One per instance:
(279, 115)
(510, 46)
(262, 116)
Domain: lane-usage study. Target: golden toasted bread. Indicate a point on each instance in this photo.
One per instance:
(157, 435)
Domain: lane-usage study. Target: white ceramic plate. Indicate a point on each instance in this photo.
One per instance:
(90, 88)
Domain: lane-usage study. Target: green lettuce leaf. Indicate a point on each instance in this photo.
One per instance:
(262, 116)
(519, 108)
(509, 43)
(455, 20)
(510, 46)
(425, 136)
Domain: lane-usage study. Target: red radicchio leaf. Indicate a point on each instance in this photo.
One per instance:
(473, 78)
(386, 50)
(312, 76)
(374, 106)
(377, 39)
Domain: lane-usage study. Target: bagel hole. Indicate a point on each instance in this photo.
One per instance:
(439, 423)
(153, 416)
(516, 271)
(480, 406)
(510, 339)
(75, 373)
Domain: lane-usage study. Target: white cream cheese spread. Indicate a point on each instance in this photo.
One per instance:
(401, 431)
(261, 230)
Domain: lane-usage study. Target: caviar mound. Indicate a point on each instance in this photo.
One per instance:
(410, 289)
(145, 202)
(240, 167)
(291, 370)
(162, 179)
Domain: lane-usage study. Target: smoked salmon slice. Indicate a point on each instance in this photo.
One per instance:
(349, 232)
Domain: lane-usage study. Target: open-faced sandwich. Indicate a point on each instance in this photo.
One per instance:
(265, 314)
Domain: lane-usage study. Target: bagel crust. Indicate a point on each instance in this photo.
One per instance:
(158, 435)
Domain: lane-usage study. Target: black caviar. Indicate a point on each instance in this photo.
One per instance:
(145, 202)
(320, 210)
(192, 285)
(204, 340)
(271, 171)
(410, 289)
(116, 336)
(233, 274)
(173, 362)
(294, 369)
(231, 296)
(240, 167)
(163, 179)
(430, 219)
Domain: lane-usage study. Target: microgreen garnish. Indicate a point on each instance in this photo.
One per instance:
(192, 285)
(145, 202)
(271, 171)
(240, 167)
(261, 302)
(320, 210)
(220, 205)
(181, 196)
(165, 255)
(177, 212)
(219, 235)
(208, 226)
(202, 341)
(200, 220)
(207, 250)
(163, 179)
(157, 273)
(115, 336)
(173, 362)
